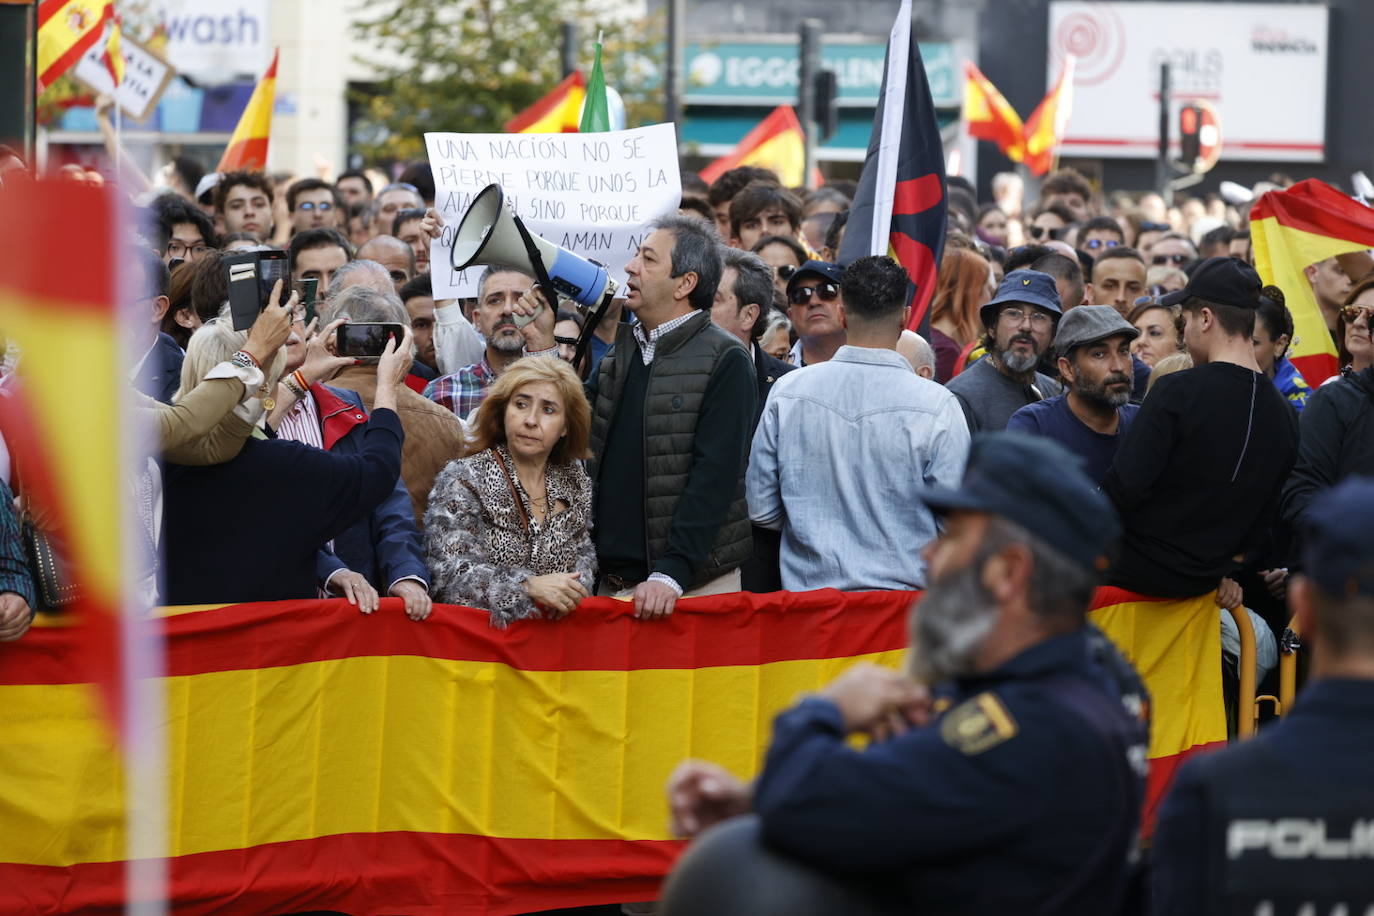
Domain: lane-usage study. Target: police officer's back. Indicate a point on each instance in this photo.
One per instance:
(1020, 790)
(1284, 824)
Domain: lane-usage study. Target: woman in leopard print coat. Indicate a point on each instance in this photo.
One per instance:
(509, 524)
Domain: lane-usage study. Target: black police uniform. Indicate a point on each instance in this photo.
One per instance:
(1281, 825)
(1023, 797)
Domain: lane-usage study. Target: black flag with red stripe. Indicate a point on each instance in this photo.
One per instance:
(901, 208)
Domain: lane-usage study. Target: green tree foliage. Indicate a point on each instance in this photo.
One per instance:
(471, 65)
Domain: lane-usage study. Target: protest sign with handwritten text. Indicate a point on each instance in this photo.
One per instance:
(592, 194)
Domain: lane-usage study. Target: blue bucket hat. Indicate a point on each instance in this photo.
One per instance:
(1023, 287)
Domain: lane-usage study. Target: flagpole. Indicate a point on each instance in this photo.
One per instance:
(119, 142)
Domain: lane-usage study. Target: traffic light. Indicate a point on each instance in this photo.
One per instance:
(827, 103)
(1189, 133)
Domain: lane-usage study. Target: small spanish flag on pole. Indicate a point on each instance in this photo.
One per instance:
(559, 111)
(775, 143)
(1291, 229)
(1046, 125)
(989, 116)
(247, 148)
(66, 30)
(113, 58)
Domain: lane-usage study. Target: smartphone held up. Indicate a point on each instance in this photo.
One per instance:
(365, 340)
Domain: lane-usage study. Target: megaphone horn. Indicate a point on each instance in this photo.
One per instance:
(490, 233)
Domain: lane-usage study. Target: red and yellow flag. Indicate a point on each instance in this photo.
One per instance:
(62, 314)
(989, 116)
(1290, 229)
(774, 143)
(320, 760)
(1046, 125)
(247, 147)
(113, 58)
(559, 111)
(66, 30)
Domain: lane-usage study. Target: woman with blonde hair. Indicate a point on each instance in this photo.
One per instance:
(508, 527)
(964, 284)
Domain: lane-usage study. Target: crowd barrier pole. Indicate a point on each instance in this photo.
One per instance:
(1288, 671)
(1247, 712)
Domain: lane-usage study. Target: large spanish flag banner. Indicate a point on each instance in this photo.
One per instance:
(775, 143)
(1290, 229)
(989, 116)
(900, 208)
(247, 147)
(66, 29)
(558, 112)
(60, 415)
(319, 760)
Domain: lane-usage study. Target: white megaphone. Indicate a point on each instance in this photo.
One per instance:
(490, 233)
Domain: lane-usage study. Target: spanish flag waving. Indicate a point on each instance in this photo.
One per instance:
(989, 116)
(1047, 123)
(557, 112)
(774, 143)
(1307, 223)
(66, 29)
(247, 147)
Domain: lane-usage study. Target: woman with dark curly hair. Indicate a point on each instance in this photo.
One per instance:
(508, 527)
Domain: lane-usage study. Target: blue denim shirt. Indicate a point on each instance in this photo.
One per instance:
(839, 449)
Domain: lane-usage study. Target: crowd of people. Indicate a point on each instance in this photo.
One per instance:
(753, 415)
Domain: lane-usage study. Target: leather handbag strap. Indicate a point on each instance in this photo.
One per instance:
(514, 493)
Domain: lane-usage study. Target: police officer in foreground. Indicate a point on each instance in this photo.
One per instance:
(1012, 784)
(1284, 824)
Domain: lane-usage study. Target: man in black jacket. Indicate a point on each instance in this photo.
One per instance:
(1337, 441)
(1202, 465)
(741, 307)
(673, 406)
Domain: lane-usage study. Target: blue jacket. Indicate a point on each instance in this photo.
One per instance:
(1280, 822)
(160, 375)
(1023, 797)
(385, 545)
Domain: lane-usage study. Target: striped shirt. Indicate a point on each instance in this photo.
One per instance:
(302, 423)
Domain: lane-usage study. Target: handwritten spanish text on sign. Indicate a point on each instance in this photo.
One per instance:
(592, 194)
(145, 77)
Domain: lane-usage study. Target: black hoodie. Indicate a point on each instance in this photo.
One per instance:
(1337, 441)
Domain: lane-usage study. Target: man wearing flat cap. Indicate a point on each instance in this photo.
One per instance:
(1090, 420)
(1197, 479)
(1284, 824)
(1007, 766)
(1020, 322)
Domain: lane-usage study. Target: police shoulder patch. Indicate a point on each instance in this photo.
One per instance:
(977, 724)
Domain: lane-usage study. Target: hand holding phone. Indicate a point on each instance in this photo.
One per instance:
(366, 340)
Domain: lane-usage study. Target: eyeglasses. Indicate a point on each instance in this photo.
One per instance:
(180, 249)
(785, 271)
(1094, 244)
(311, 205)
(1042, 232)
(1352, 313)
(801, 295)
(565, 341)
(1174, 259)
(1156, 227)
(1037, 318)
(399, 186)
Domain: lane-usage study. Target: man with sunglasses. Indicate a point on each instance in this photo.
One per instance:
(1173, 250)
(1100, 234)
(1020, 322)
(313, 204)
(816, 307)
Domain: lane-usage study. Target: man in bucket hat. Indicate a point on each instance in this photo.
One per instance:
(1020, 322)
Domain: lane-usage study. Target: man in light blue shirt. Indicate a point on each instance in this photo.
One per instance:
(843, 444)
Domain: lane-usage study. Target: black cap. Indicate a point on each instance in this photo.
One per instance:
(1225, 281)
(1339, 529)
(829, 271)
(1038, 484)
